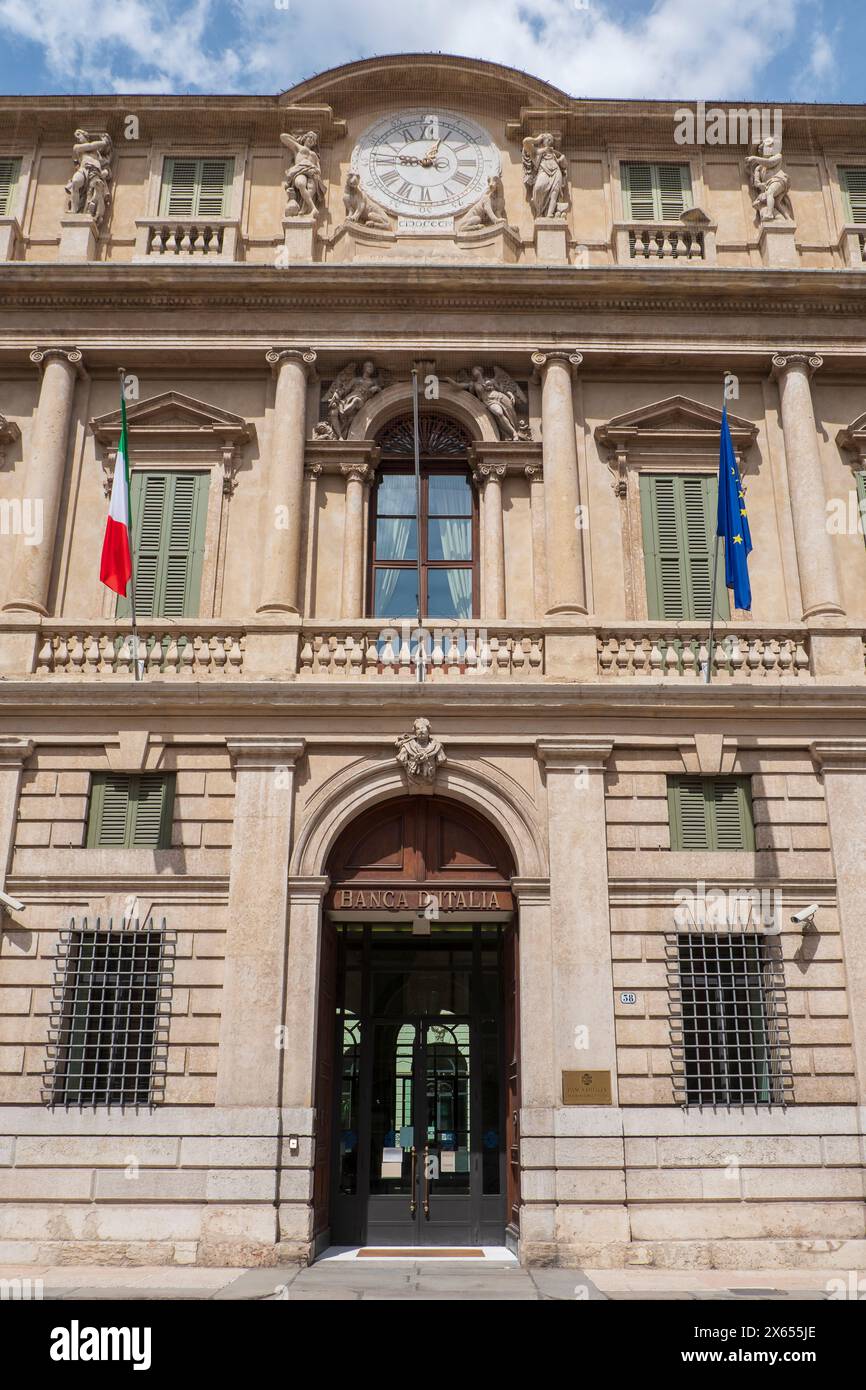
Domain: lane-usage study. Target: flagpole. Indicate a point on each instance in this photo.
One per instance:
(421, 658)
(137, 666)
(709, 668)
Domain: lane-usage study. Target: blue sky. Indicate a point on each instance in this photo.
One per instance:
(778, 50)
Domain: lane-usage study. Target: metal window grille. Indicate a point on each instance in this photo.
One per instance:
(111, 999)
(728, 1019)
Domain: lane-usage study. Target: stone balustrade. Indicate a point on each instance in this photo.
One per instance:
(347, 651)
(679, 652)
(666, 243)
(195, 650)
(200, 238)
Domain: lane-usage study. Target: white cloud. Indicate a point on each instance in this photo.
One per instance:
(675, 48)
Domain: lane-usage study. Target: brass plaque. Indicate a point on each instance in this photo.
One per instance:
(586, 1088)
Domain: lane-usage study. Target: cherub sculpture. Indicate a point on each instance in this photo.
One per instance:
(489, 210)
(419, 753)
(89, 189)
(500, 395)
(303, 183)
(360, 208)
(351, 389)
(770, 181)
(545, 176)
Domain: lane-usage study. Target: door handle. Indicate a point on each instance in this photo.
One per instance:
(413, 1205)
(426, 1182)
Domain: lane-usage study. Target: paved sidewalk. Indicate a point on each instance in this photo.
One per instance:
(495, 1281)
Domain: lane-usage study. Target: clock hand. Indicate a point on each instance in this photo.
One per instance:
(430, 157)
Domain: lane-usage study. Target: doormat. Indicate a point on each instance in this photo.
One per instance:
(426, 1252)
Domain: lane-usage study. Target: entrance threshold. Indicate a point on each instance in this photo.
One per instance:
(485, 1254)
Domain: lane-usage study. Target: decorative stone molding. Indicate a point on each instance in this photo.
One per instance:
(419, 754)
(351, 389)
(357, 473)
(541, 357)
(708, 755)
(574, 755)
(14, 752)
(74, 356)
(128, 753)
(782, 362)
(305, 357)
(839, 754)
(853, 439)
(264, 751)
(9, 434)
(333, 456)
(501, 397)
(483, 473)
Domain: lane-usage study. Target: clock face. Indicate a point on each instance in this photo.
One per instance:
(424, 163)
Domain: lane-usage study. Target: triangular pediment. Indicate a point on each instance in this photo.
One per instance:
(676, 418)
(171, 412)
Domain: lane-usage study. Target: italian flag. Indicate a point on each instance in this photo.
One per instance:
(115, 569)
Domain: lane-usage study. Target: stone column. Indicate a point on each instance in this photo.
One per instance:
(489, 477)
(254, 980)
(46, 469)
(819, 581)
(565, 572)
(14, 753)
(539, 541)
(282, 558)
(843, 765)
(583, 1012)
(358, 477)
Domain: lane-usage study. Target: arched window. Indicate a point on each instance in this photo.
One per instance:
(448, 530)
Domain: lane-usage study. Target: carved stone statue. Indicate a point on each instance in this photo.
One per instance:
(770, 181)
(545, 176)
(360, 208)
(304, 185)
(419, 753)
(89, 189)
(488, 211)
(351, 389)
(500, 395)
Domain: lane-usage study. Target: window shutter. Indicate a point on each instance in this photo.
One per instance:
(196, 187)
(678, 515)
(637, 192)
(730, 811)
(9, 169)
(665, 569)
(169, 511)
(710, 813)
(130, 812)
(109, 812)
(861, 500)
(689, 819)
(152, 804)
(854, 194)
(674, 190)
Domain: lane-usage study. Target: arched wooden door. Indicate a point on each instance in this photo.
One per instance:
(417, 1077)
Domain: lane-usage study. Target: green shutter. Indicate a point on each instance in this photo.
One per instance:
(861, 500)
(196, 187)
(9, 170)
(130, 812)
(712, 813)
(655, 192)
(169, 512)
(678, 514)
(854, 193)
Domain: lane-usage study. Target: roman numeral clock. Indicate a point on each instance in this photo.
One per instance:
(425, 166)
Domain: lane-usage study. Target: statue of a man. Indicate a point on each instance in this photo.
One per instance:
(545, 175)
(303, 183)
(89, 189)
(770, 181)
(419, 753)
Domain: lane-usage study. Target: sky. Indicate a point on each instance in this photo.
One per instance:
(761, 50)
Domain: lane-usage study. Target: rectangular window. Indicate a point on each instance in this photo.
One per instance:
(678, 517)
(712, 813)
(728, 1019)
(9, 171)
(655, 192)
(132, 812)
(853, 182)
(109, 1023)
(169, 513)
(860, 479)
(196, 187)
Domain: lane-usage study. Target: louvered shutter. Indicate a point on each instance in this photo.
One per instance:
(214, 184)
(9, 169)
(179, 187)
(854, 193)
(169, 511)
(674, 190)
(678, 516)
(689, 819)
(710, 813)
(109, 812)
(861, 500)
(151, 811)
(130, 812)
(697, 494)
(196, 187)
(637, 192)
(729, 815)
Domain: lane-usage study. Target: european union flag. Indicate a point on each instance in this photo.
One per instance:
(733, 524)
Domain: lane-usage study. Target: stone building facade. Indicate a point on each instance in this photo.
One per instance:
(495, 877)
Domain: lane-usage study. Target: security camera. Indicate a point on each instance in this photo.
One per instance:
(13, 903)
(805, 914)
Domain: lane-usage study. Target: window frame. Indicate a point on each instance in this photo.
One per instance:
(17, 162)
(675, 821)
(165, 187)
(96, 802)
(687, 188)
(392, 464)
(842, 171)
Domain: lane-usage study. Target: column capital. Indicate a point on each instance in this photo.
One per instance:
(542, 357)
(567, 754)
(308, 888)
(531, 892)
(484, 473)
(14, 752)
(839, 754)
(784, 361)
(277, 358)
(534, 472)
(265, 752)
(357, 473)
(73, 356)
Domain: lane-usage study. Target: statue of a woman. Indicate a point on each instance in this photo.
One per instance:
(303, 182)
(545, 174)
